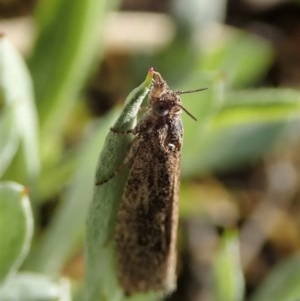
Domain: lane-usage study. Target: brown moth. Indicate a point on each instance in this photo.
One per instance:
(146, 226)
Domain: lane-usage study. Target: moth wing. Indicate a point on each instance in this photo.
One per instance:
(146, 226)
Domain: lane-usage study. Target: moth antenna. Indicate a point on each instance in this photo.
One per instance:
(189, 91)
(186, 111)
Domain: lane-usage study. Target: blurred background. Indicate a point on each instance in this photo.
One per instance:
(66, 69)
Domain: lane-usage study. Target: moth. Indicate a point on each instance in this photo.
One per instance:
(146, 227)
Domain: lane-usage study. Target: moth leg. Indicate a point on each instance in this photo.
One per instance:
(122, 132)
(133, 149)
(116, 171)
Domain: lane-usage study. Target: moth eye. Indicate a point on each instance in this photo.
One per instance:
(161, 108)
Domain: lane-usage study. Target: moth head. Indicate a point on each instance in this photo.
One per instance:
(161, 108)
(165, 101)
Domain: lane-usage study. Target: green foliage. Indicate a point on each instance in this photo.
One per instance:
(66, 48)
(34, 287)
(16, 227)
(253, 120)
(282, 283)
(19, 130)
(228, 275)
(70, 216)
(16, 230)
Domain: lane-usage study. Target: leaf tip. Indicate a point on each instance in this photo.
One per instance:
(149, 74)
(24, 191)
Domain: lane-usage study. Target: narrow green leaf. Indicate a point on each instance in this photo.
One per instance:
(67, 46)
(199, 14)
(282, 284)
(228, 275)
(70, 215)
(35, 287)
(100, 278)
(268, 98)
(241, 58)
(16, 90)
(9, 138)
(16, 227)
(241, 131)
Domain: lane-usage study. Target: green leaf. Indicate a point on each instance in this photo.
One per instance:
(228, 275)
(35, 287)
(67, 46)
(70, 215)
(16, 227)
(199, 14)
(19, 108)
(239, 57)
(9, 138)
(100, 278)
(282, 284)
(242, 130)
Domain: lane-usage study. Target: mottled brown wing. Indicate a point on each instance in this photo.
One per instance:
(146, 227)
